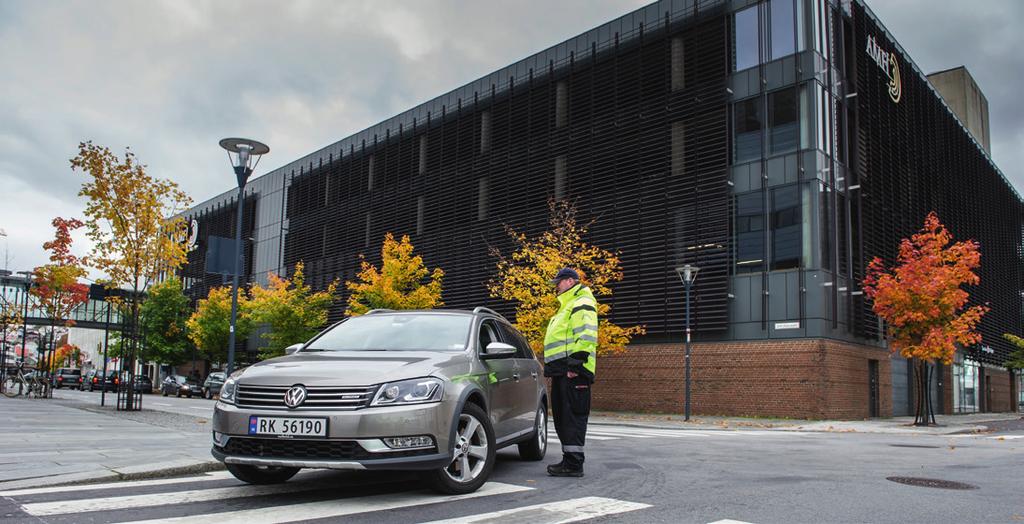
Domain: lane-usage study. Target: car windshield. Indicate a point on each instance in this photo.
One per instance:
(398, 332)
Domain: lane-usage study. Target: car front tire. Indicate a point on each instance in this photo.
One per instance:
(472, 455)
(537, 446)
(163, 392)
(209, 394)
(261, 474)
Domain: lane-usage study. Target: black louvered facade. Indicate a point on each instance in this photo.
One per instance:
(636, 122)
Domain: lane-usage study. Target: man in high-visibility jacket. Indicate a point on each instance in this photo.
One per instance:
(570, 358)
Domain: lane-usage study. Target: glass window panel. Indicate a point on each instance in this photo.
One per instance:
(783, 121)
(747, 126)
(745, 37)
(787, 228)
(749, 233)
(783, 28)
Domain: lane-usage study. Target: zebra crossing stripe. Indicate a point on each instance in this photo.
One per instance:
(558, 512)
(337, 507)
(160, 499)
(217, 475)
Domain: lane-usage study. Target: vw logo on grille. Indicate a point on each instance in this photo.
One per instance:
(295, 396)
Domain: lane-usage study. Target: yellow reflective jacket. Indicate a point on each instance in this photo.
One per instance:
(570, 343)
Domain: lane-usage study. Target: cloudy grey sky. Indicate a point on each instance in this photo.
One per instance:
(170, 78)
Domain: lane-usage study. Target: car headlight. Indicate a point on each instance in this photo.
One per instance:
(228, 390)
(416, 391)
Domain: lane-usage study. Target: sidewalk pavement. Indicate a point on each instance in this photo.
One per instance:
(46, 443)
(945, 424)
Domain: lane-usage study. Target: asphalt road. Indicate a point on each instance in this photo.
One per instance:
(632, 475)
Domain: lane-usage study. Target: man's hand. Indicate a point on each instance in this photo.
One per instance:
(571, 374)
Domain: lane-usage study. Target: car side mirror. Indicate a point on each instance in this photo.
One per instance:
(496, 350)
(293, 348)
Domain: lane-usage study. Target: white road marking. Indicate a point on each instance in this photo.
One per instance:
(218, 475)
(729, 521)
(1006, 437)
(160, 404)
(160, 499)
(558, 512)
(338, 507)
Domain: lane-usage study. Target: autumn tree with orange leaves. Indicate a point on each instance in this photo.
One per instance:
(923, 305)
(57, 288)
(291, 310)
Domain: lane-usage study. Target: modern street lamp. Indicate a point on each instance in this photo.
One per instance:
(27, 283)
(687, 274)
(3, 343)
(241, 152)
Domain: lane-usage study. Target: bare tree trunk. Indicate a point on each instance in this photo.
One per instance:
(925, 414)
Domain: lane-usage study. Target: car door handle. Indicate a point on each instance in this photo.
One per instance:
(533, 374)
(515, 376)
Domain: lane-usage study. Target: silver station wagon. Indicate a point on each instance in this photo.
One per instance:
(432, 391)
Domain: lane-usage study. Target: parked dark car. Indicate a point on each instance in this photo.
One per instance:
(142, 383)
(179, 385)
(213, 383)
(98, 381)
(67, 378)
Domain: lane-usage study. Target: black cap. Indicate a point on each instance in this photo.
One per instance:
(563, 274)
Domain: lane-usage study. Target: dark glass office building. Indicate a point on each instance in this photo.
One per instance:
(779, 145)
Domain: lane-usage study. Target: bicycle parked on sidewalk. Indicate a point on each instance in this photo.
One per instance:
(28, 384)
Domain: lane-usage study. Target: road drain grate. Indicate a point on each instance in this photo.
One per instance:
(931, 483)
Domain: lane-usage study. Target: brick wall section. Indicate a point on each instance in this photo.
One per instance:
(804, 378)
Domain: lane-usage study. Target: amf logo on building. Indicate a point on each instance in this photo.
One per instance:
(887, 63)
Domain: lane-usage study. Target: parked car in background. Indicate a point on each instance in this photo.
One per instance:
(179, 385)
(212, 384)
(67, 378)
(142, 383)
(98, 381)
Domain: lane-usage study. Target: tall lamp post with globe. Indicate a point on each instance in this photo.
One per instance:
(245, 156)
(687, 274)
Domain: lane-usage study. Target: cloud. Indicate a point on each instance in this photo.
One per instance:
(170, 78)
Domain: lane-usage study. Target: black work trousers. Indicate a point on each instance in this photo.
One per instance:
(570, 406)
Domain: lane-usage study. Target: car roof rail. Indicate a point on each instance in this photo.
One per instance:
(481, 309)
(372, 311)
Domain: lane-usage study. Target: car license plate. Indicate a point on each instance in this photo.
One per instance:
(288, 426)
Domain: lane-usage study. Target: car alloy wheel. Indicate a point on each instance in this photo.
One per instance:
(469, 450)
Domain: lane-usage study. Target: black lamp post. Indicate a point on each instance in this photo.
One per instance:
(687, 274)
(3, 343)
(241, 152)
(27, 284)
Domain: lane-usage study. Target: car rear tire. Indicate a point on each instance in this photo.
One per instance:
(163, 392)
(261, 474)
(208, 395)
(472, 455)
(537, 446)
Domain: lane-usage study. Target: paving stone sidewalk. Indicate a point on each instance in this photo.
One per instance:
(51, 442)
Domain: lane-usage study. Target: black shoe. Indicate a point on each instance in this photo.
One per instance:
(560, 470)
(556, 467)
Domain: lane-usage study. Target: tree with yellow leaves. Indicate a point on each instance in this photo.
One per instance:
(293, 312)
(134, 241)
(209, 325)
(523, 277)
(399, 284)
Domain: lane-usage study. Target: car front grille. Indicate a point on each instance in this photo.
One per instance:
(317, 397)
(309, 449)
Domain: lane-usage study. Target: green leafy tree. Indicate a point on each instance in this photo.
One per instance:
(1017, 357)
(399, 284)
(209, 326)
(163, 317)
(292, 311)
